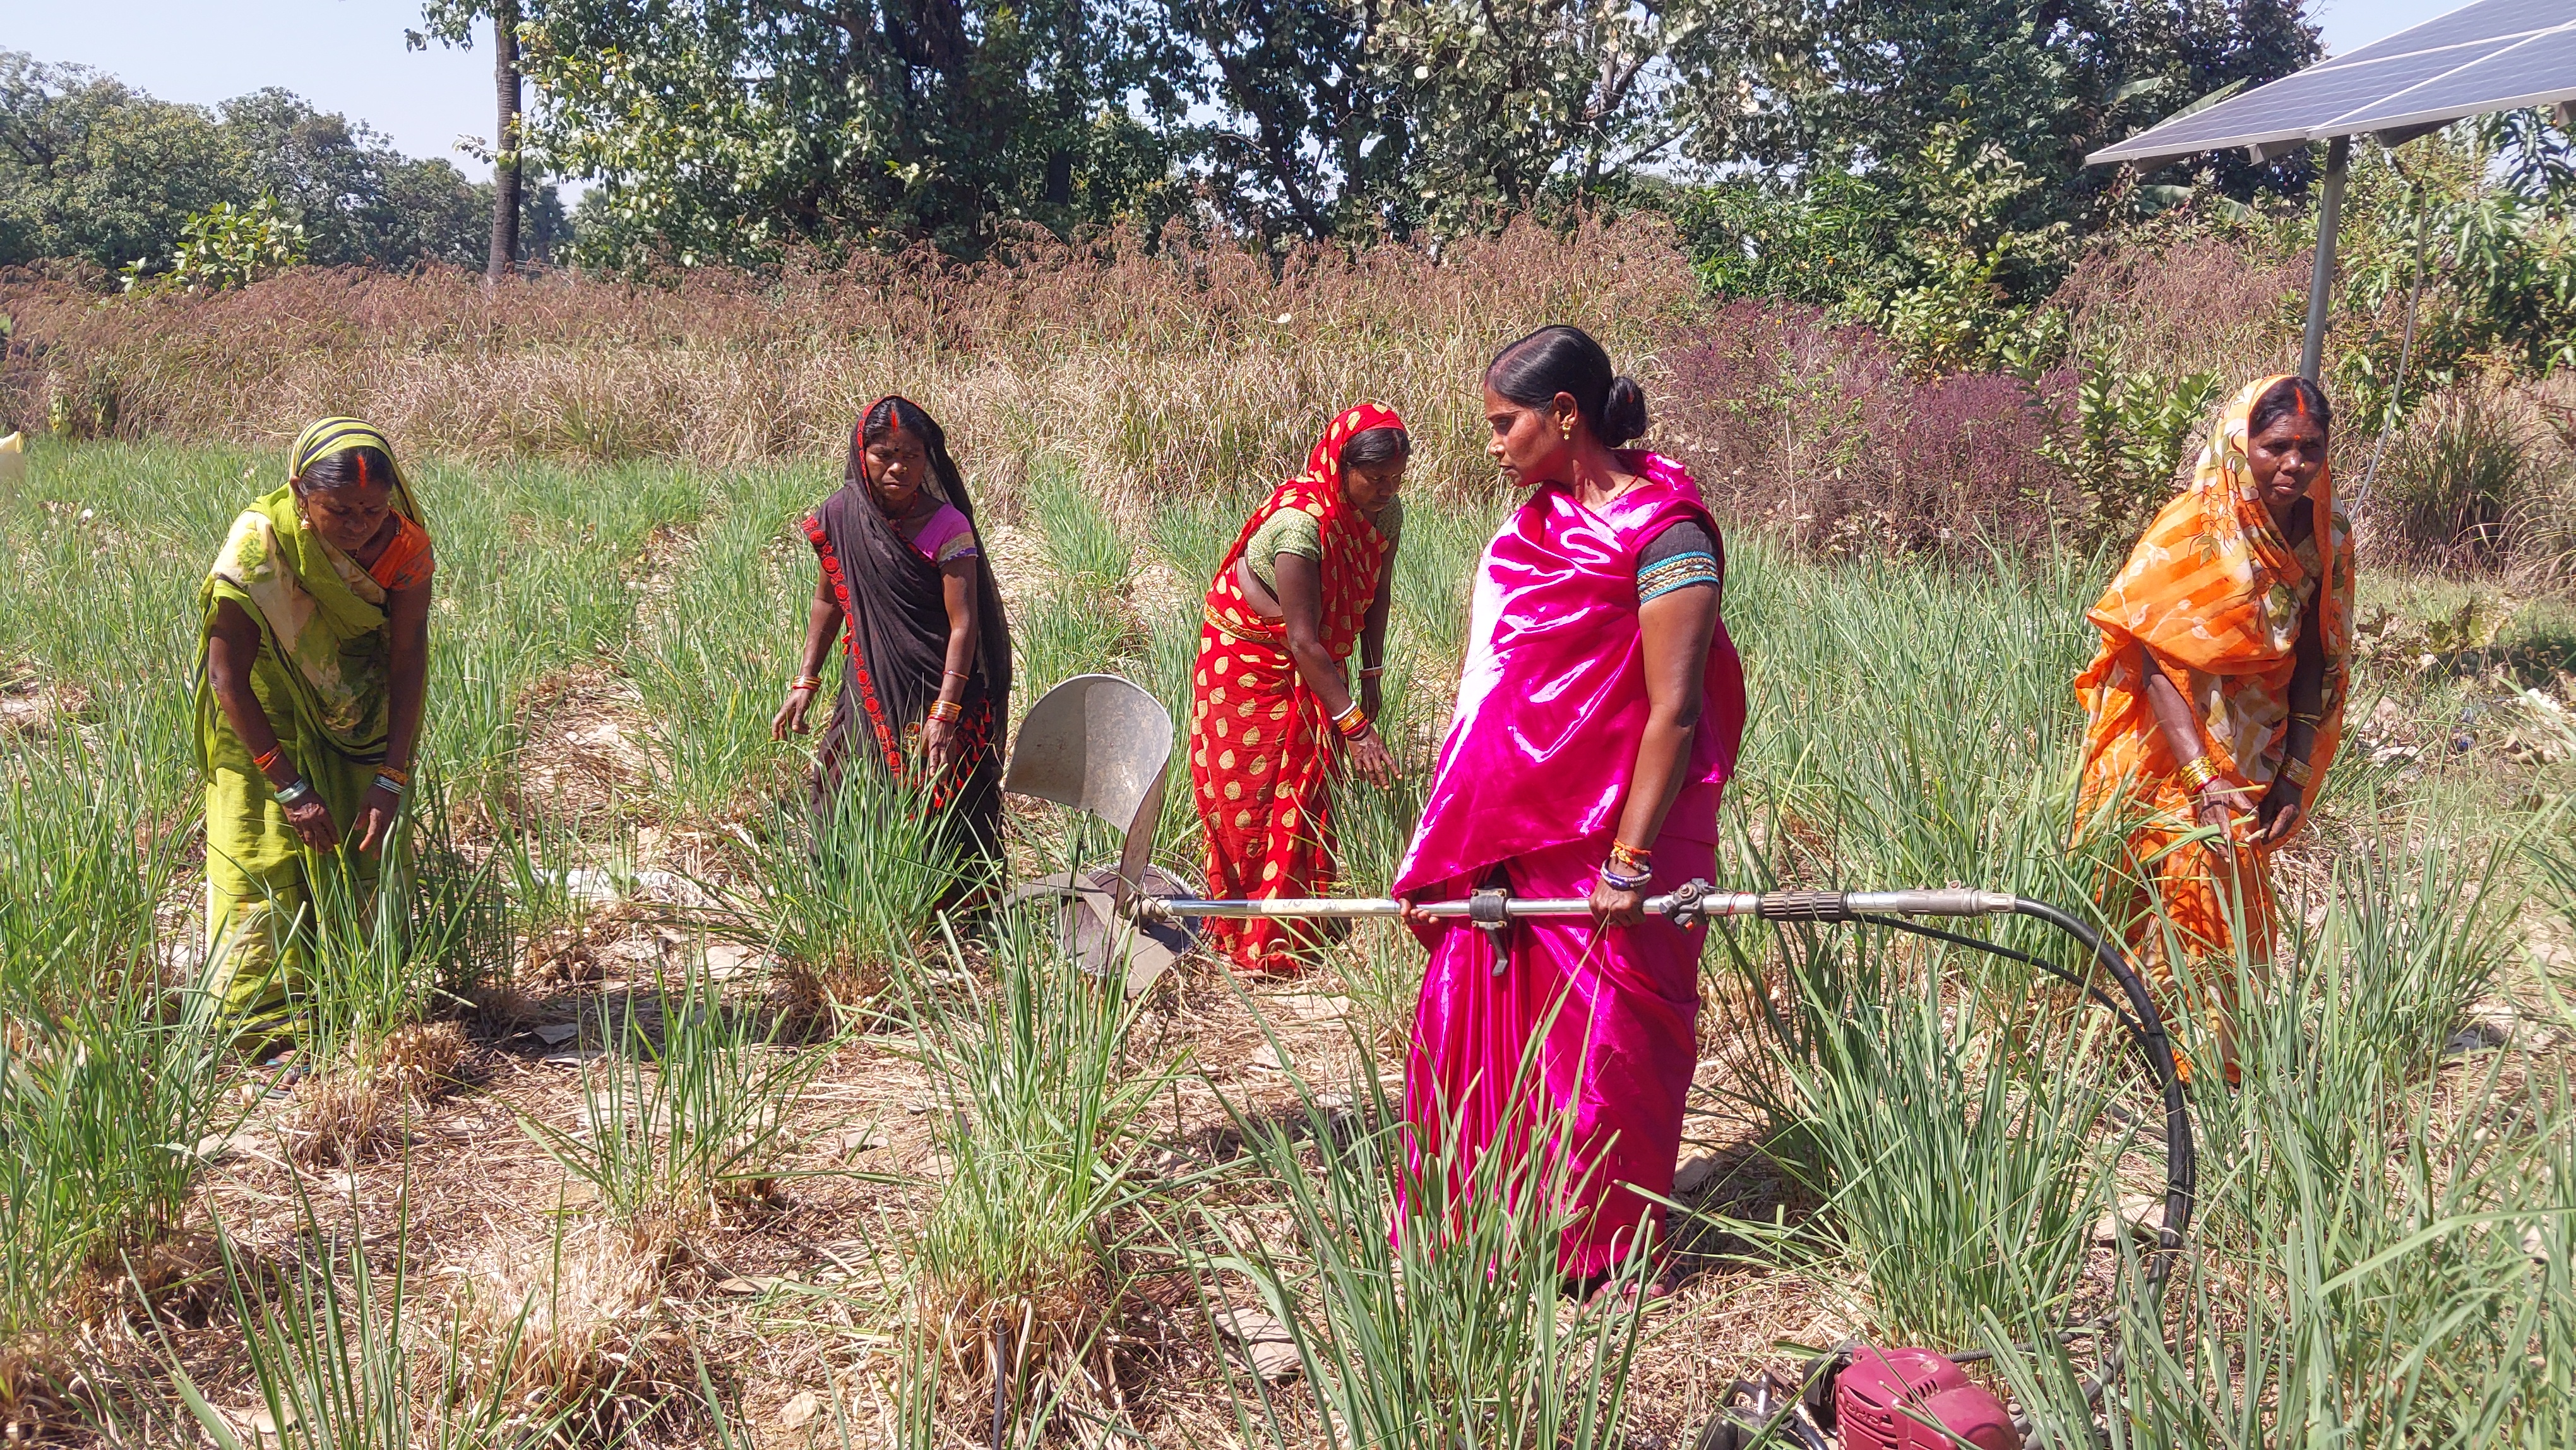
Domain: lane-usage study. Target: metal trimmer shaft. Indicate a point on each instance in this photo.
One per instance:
(1685, 905)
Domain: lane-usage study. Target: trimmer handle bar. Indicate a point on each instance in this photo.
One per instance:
(1693, 902)
(1686, 905)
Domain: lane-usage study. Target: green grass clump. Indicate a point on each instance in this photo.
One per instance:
(1453, 1329)
(2385, 1259)
(1961, 1172)
(687, 1111)
(1039, 1093)
(334, 1365)
(103, 1114)
(715, 646)
(846, 897)
(1083, 544)
(82, 868)
(418, 942)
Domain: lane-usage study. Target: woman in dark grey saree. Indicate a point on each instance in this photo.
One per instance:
(926, 680)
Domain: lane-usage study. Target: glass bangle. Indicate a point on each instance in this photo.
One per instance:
(1617, 882)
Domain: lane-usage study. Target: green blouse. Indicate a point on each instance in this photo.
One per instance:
(1295, 531)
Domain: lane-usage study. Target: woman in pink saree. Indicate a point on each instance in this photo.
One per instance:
(1598, 718)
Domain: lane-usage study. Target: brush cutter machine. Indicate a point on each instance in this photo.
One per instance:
(1099, 744)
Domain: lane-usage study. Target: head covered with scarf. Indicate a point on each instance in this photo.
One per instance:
(1354, 551)
(332, 437)
(897, 616)
(2220, 597)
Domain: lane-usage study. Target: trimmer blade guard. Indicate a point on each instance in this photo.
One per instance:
(1094, 931)
(1100, 744)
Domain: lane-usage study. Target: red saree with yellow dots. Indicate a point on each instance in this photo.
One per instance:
(1260, 743)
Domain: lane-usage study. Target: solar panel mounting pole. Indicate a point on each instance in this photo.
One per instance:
(2312, 347)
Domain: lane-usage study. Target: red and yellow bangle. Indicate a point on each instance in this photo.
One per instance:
(2197, 772)
(1353, 722)
(1630, 860)
(946, 710)
(805, 682)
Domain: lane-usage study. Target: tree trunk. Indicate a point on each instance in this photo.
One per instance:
(505, 151)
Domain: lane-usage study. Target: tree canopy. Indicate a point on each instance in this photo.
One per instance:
(724, 130)
(729, 130)
(1791, 131)
(94, 170)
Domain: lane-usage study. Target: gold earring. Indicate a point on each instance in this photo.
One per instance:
(1565, 430)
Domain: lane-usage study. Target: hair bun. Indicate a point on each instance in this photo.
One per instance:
(1623, 411)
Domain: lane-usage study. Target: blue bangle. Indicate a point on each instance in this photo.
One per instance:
(1617, 882)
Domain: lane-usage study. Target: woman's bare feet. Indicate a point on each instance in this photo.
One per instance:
(1596, 1293)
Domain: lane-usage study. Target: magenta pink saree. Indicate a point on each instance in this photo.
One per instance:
(1530, 785)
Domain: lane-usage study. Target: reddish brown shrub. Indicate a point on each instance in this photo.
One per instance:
(1814, 428)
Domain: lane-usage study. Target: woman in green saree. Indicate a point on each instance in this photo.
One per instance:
(313, 659)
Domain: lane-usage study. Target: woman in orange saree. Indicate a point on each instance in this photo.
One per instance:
(1306, 582)
(2217, 697)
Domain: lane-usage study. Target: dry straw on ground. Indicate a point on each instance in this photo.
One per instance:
(574, 1328)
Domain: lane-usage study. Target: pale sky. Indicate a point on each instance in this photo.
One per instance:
(348, 55)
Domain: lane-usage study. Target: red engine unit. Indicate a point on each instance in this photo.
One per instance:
(1867, 1396)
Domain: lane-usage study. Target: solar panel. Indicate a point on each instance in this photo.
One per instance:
(2534, 73)
(2496, 20)
(2489, 56)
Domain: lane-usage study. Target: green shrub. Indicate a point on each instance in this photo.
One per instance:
(224, 246)
(2135, 435)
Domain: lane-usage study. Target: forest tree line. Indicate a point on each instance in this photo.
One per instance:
(730, 133)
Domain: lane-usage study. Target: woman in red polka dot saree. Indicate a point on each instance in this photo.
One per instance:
(1305, 585)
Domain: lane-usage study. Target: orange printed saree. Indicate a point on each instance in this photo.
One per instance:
(2218, 598)
(1260, 744)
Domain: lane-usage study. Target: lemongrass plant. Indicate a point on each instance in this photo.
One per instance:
(1083, 543)
(1064, 632)
(336, 1355)
(81, 871)
(1960, 1151)
(2385, 1255)
(104, 1114)
(1422, 1290)
(689, 1111)
(415, 942)
(715, 644)
(1038, 1092)
(845, 895)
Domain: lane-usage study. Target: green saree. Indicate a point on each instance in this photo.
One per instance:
(324, 677)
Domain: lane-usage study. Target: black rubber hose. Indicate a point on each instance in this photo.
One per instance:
(2128, 1023)
(2143, 1022)
(2182, 1163)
